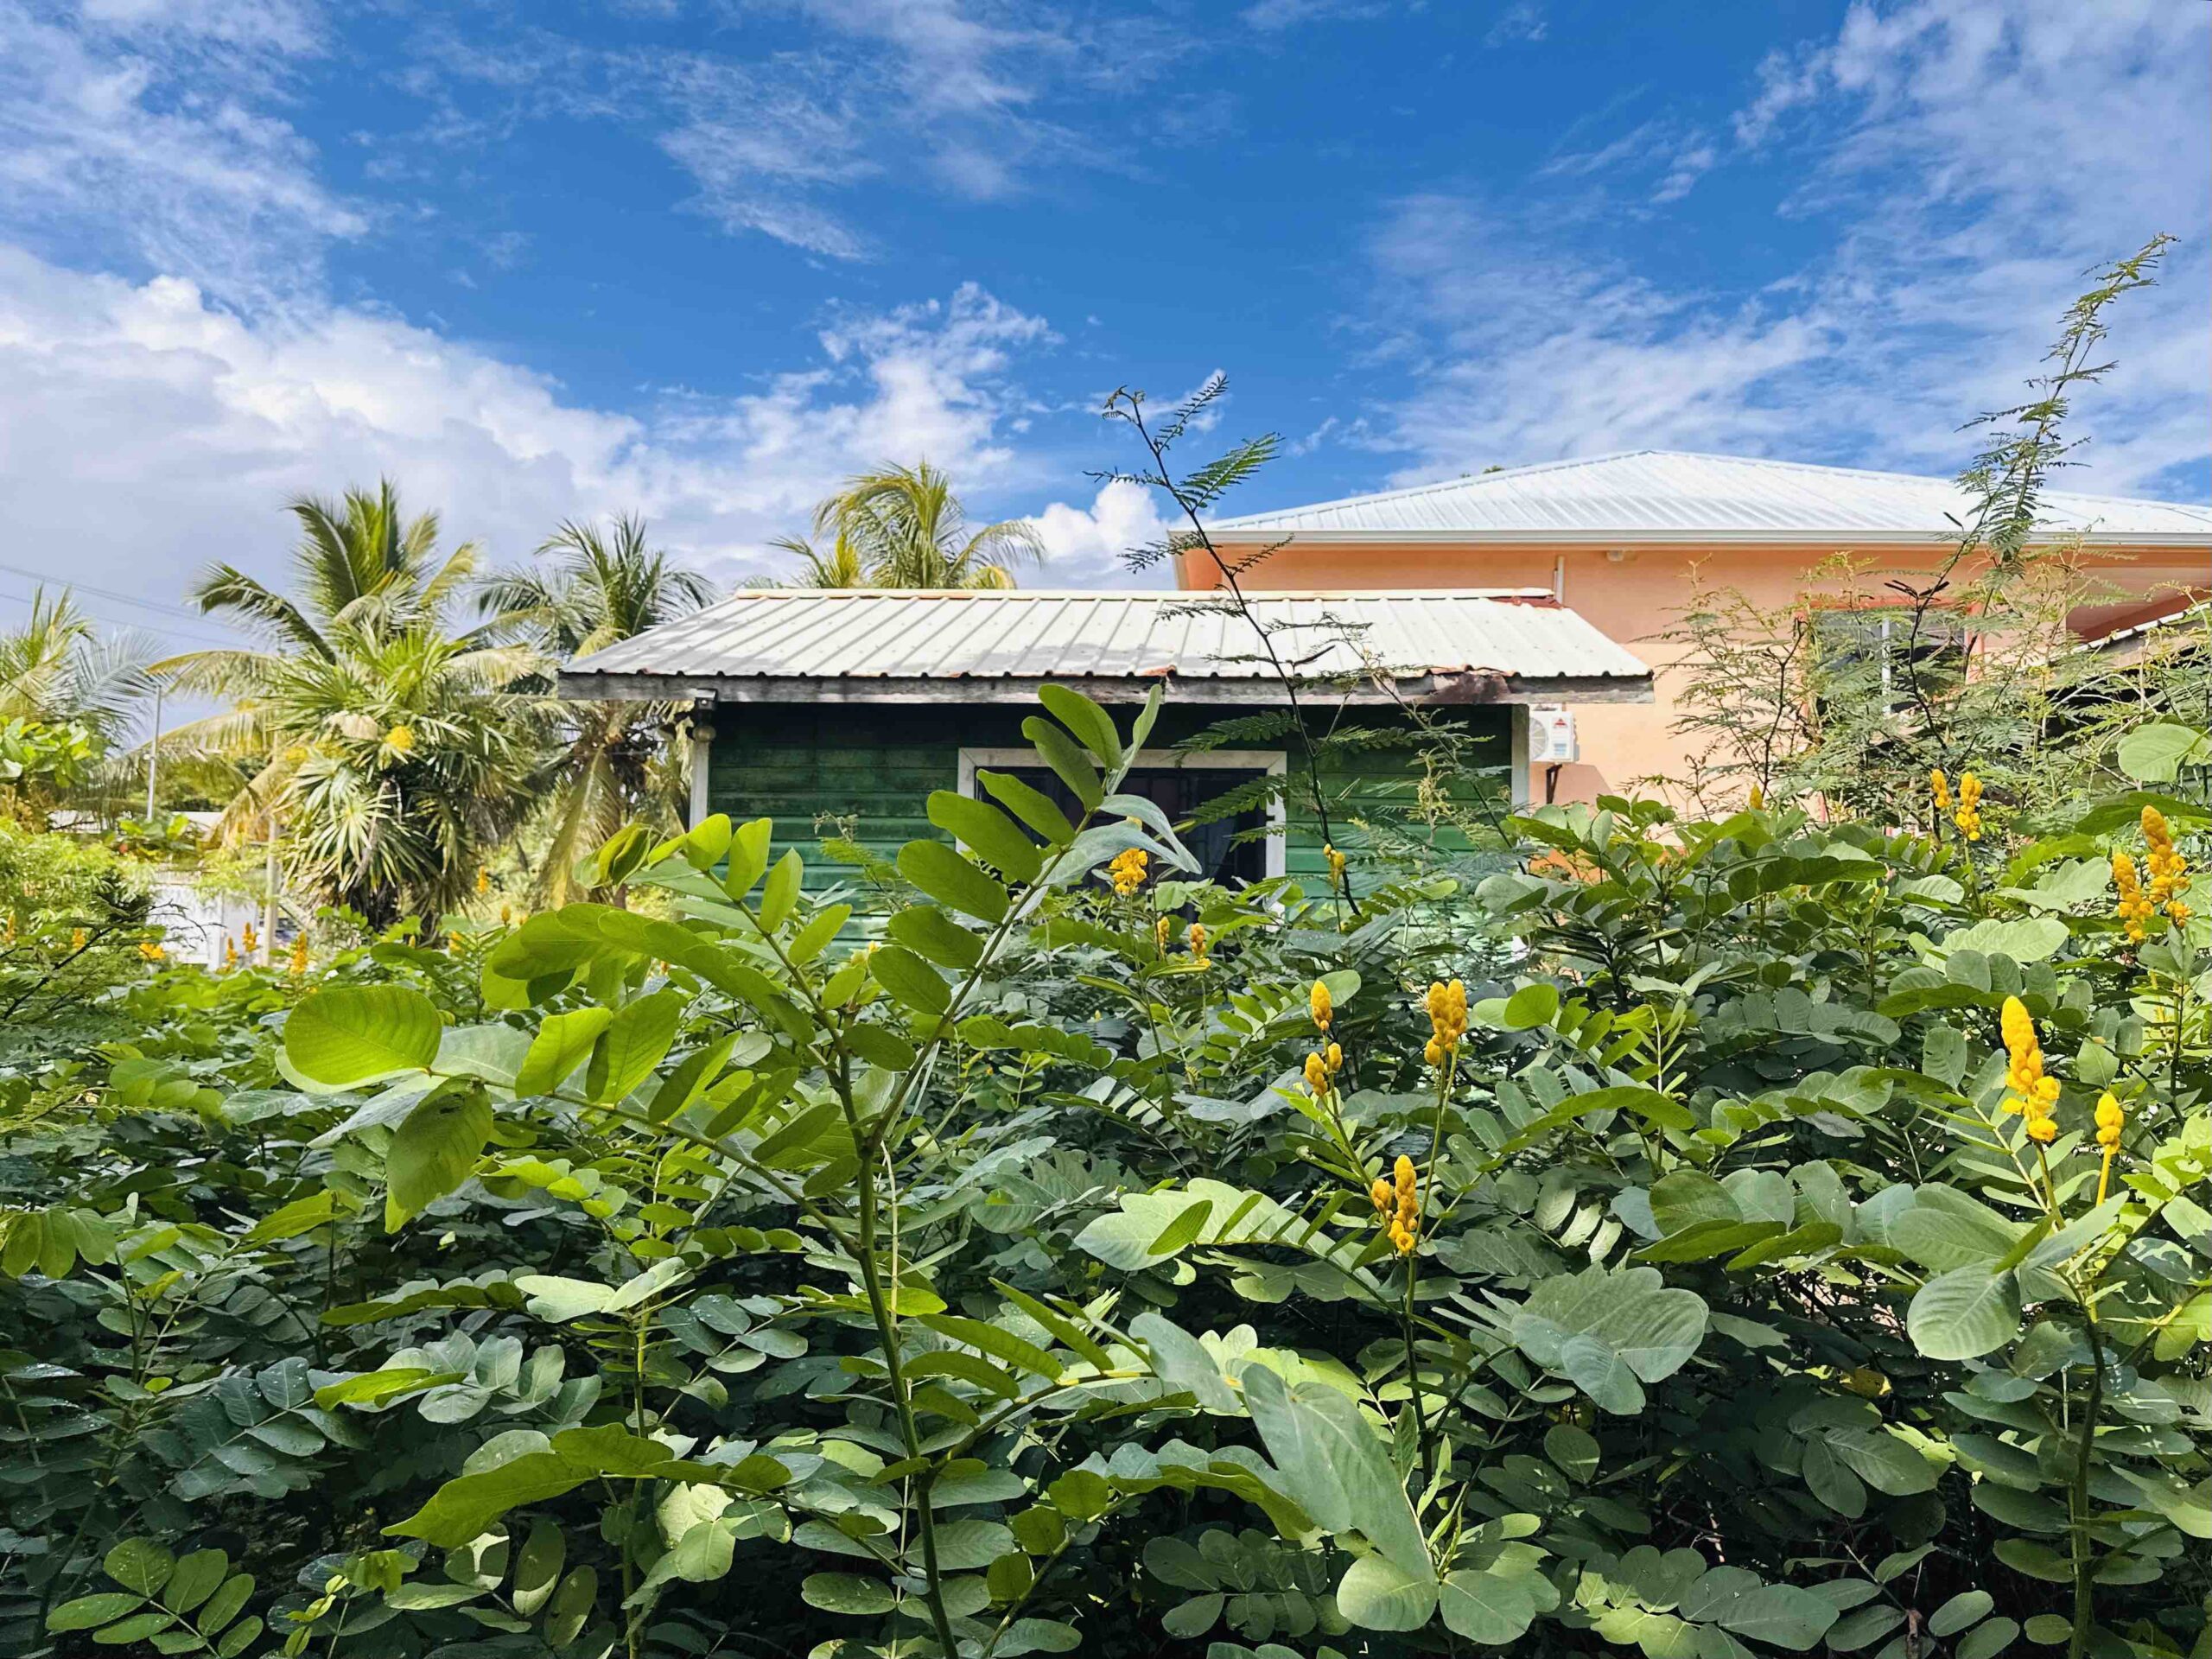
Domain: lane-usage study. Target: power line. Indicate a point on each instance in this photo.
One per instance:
(173, 635)
(75, 586)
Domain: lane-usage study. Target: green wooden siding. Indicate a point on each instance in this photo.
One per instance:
(813, 767)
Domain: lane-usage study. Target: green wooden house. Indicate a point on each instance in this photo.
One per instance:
(836, 713)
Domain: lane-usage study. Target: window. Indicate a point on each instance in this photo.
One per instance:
(1229, 850)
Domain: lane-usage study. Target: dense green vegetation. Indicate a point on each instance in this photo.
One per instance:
(1098, 1261)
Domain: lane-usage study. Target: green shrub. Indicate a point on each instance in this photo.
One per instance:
(1054, 1275)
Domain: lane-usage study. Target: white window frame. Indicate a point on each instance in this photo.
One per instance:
(1274, 762)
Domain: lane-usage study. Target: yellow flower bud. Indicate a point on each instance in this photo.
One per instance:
(1318, 1002)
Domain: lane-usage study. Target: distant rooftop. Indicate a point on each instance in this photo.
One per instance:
(1647, 496)
(862, 645)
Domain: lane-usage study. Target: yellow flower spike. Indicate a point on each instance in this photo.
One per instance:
(1128, 870)
(2044, 1130)
(151, 949)
(1940, 787)
(1758, 799)
(1968, 816)
(400, 739)
(299, 964)
(483, 881)
(2169, 870)
(1334, 1054)
(2133, 910)
(77, 937)
(1405, 1239)
(1322, 1008)
(1385, 1195)
(1197, 937)
(2112, 1118)
(1316, 1075)
(1162, 931)
(507, 914)
(230, 955)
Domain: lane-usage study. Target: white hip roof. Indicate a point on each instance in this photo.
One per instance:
(797, 644)
(1658, 496)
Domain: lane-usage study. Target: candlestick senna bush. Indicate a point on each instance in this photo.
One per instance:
(1705, 1240)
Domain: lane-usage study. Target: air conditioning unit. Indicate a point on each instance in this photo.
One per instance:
(1551, 737)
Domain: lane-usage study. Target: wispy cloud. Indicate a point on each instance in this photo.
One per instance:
(1949, 248)
(142, 133)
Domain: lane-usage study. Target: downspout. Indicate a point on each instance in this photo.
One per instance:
(1559, 578)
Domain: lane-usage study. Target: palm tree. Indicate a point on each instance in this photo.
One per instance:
(598, 588)
(56, 669)
(392, 751)
(840, 567)
(904, 527)
(65, 696)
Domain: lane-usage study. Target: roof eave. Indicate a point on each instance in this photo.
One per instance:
(1474, 687)
(1632, 539)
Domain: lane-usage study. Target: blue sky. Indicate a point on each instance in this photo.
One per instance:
(703, 258)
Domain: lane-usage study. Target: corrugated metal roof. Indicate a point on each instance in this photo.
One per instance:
(1660, 495)
(844, 643)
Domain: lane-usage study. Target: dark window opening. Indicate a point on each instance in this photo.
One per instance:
(1229, 850)
(1884, 654)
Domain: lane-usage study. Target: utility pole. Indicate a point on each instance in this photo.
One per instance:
(269, 902)
(153, 757)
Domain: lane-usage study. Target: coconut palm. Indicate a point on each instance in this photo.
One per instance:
(57, 670)
(840, 567)
(392, 750)
(67, 694)
(906, 528)
(597, 587)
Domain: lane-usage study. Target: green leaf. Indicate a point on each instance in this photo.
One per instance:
(1780, 1615)
(635, 1041)
(1987, 1640)
(748, 857)
(2154, 752)
(932, 934)
(197, 1577)
(846, 1593)
(690, 1078)
(1034, 808)
(815, 937)
(538, 1566)
(1091, 724)
(86, 1611)
(139, 1564)
(1632, 1312)
(353, 1034)
(434, 1151)
(562, 1044)
(571, 1606)
(995, 1341)
(1529, 1006)
(132, 1631)
(780, 896)
(300, 1216)
(560, 1299)
(1488, 1609)
(952, 881)
(910, 980)
(1333, 1466)
(1574, 1451)
(1960, 1611)
(1061, 754)
(987, 833)
(1377, 1595)
(1964, 1314)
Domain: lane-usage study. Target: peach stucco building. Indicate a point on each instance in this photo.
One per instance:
(1616, 536)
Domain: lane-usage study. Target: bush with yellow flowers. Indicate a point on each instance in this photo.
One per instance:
(1702, 1239)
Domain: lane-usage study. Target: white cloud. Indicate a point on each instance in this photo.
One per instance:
(1951, 242)
(148, 431)
(1084, 547)
(138, 133)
